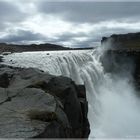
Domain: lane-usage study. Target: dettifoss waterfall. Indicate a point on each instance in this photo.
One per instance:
(114, 109)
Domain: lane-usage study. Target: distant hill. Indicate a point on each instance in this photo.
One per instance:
(34, 47)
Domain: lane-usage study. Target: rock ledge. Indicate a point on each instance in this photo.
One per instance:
(35, 104)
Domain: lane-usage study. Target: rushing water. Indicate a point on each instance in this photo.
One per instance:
(114, 110)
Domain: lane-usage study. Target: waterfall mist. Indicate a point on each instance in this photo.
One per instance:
(114, 108)
(120, 112)
(119, 103)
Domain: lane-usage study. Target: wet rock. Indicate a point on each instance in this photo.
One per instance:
(81, 91)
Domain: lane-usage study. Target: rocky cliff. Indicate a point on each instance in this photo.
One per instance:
(123, 53)
(35, 104)
(124, 41)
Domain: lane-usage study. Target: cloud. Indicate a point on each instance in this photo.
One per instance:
(75, 24)
(22, 36)
(94, 33)
(91, 12)
(10, 13)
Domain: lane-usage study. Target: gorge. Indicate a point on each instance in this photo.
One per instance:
(111, 79)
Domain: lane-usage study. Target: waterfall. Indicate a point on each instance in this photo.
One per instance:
(114, 109)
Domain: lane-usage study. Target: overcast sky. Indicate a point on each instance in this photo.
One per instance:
(73, 24)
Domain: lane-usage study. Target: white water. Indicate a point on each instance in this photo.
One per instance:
(114, 110)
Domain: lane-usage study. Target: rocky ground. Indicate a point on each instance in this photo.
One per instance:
(35, 104)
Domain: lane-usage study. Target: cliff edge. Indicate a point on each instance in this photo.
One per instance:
(124, 51)
(35, 104)
(124, 41)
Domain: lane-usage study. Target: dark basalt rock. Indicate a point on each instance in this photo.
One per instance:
(123, 55)
(75, 109)
(129, 42)
(4, 80)
(35, 104)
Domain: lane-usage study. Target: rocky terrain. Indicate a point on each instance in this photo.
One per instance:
(124, 51)
(35, 104)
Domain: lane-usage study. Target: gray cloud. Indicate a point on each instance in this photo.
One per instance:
(22, 36)
(13, 14)
(69, 36)
(7, 10)
(91, 11)
(93, 38)
(10, 13)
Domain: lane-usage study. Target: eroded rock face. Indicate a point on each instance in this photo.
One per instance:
(130, 41)
(34, 104)
(123, 54)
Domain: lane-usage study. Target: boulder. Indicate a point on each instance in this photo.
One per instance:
(35, 104)
(21, 115)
